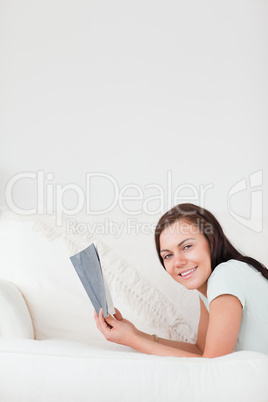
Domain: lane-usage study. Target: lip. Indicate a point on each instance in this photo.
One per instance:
(190, 273)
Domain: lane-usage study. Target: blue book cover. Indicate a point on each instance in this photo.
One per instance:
(88, 268)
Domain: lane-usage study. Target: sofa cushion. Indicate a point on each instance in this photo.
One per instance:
(15, 321)
(60, 370)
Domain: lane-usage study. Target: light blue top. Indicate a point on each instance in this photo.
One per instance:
(251, 288)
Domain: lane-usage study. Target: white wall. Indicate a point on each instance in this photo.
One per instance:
(147, 92)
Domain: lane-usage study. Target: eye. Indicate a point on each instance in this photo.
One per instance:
(187, 246)
(167, 256)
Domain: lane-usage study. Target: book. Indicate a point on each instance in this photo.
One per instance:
(88, 268)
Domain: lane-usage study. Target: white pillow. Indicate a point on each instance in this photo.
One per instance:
(15, 320)
(35, 257)
(42, 271)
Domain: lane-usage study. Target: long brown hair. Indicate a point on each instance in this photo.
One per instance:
(221, 249)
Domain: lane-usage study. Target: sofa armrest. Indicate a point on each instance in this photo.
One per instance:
(15, 319)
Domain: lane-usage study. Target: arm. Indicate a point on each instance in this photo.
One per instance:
(219, 339)
(225, 314)
(123, 332)
(199, 346)
(217, 333)
(188, 347)
(169, 345)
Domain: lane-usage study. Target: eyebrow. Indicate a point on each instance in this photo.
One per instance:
(190, 238)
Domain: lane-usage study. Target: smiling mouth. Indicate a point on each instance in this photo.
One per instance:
(188, 272)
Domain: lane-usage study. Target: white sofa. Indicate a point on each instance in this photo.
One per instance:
(51, 350)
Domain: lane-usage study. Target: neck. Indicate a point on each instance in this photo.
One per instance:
(203, 289)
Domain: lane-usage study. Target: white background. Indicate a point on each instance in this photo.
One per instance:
(137, 90)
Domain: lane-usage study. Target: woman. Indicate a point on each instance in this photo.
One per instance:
(233, 290)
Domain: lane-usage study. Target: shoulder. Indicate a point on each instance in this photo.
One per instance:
(228, 278)
(231, 270)
(226, 266)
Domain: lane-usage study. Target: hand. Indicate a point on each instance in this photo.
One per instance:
(116, 328)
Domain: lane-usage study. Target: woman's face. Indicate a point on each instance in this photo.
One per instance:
(186, 255)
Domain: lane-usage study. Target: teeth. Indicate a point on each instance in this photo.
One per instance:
(187, 272)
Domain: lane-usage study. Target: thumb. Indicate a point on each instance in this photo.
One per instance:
(118, 315)
(110, 320)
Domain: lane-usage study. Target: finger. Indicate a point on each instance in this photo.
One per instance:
(118, 315)
(96, 317)
(110, 321)
(104, 325)
(97, 320)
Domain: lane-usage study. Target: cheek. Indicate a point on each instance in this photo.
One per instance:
(167, 266)
(207, 260)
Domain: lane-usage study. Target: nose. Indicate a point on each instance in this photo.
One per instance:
(179, 261)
